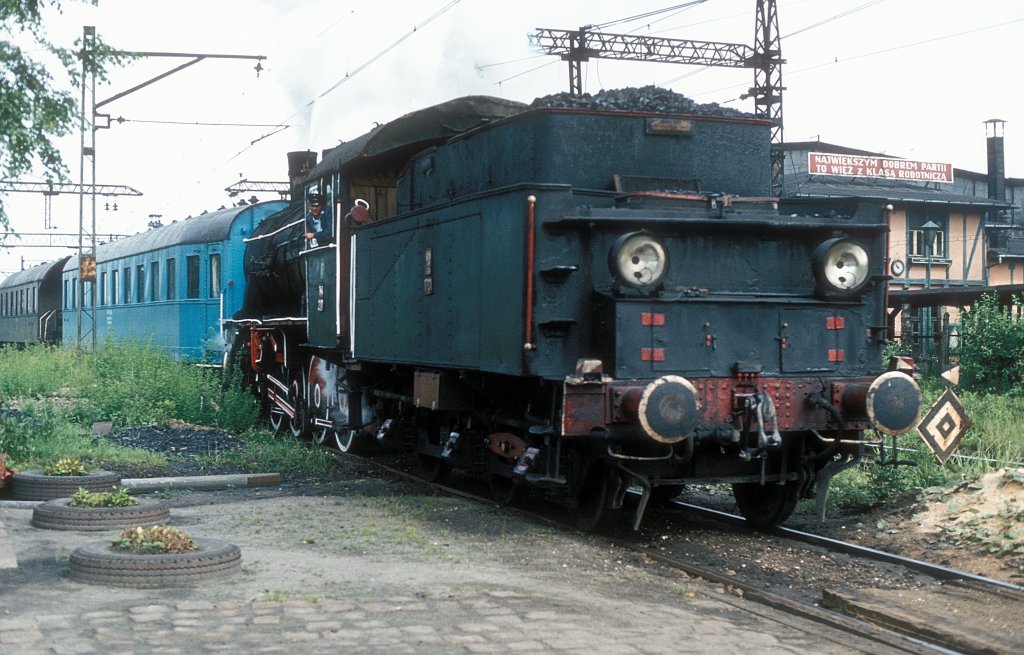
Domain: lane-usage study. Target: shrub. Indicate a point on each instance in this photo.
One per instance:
(992, 347)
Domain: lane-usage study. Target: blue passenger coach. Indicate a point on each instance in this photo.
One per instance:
(170, 286)
(30, 305)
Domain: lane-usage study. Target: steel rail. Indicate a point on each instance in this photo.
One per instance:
(935, 570)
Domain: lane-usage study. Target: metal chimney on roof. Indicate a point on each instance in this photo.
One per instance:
(996, 159)
(300, 163)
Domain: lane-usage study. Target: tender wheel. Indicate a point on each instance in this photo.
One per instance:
(768, 505)
(505, 491)
(593, 513)
(435, 469)
(666, 492)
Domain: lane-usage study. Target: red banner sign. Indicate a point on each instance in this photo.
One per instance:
(826, 163)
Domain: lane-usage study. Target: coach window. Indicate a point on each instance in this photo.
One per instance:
(113, 287)
(33, 300)
(126, 278)
(103, 288)
(74, 292)
(154, 281)
(192, 271)
(170, 278)
(214, 274)
(140, 283)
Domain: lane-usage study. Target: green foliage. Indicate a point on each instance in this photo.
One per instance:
(133, 384)
(120, 497)
(264, 451)
(35, 372)
(154, 540)
(42, 434)
(992, 350)
(67, 466)
(34, 108)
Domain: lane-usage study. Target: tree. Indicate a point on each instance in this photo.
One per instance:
(992, 346)
(33, 110)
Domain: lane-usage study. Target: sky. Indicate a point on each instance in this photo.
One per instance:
(907, 78)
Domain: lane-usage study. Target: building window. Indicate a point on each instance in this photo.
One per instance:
(154, 281)
(192, 272)
(915, 234)
(140, 283)
(170, 278)
(126, 278)
(215, 275)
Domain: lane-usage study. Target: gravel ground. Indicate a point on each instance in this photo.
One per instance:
(182, 443)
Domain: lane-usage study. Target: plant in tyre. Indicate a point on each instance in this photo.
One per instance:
(67, 466)
(156, 539)
(120, 497)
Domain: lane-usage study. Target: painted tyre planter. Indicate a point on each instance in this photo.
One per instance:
(99, 563)
(36, 485)
(58, 515)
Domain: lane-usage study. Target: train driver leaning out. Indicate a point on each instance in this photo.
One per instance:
(319, 221)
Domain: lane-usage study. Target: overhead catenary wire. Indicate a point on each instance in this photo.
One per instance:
(349, 75)
(876, 52)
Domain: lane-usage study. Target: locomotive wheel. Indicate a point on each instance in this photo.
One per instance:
(296, 395)
(592, 512)
(347, 440)
(435, 469)
(322, 436)
(768, 505)
(277, 416)
(505, 491)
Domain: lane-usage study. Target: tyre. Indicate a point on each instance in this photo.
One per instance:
(57, 515)
(36, 485)
(98, 563)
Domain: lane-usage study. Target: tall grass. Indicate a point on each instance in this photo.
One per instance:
(133, 384)
(36, 371)
(62, 392)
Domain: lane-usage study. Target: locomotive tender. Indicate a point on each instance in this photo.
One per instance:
(578, 300)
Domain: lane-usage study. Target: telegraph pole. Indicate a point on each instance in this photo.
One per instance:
(87, 261)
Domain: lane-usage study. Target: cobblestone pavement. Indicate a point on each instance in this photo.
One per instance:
(359, 572)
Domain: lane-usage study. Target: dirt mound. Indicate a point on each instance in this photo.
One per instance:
(977, 527)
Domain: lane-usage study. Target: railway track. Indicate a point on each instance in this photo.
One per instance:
(904, 618)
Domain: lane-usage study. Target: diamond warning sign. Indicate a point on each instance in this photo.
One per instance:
(944, 425)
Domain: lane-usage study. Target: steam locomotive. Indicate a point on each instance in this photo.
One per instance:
(577, 300)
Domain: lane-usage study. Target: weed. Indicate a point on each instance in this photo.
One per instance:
(275, 596)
